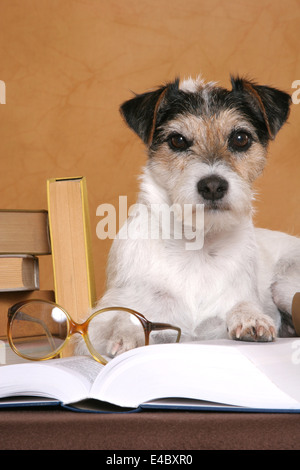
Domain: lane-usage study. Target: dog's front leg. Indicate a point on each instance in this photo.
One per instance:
(247, 322)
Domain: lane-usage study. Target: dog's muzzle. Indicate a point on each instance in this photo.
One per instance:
(212, 188)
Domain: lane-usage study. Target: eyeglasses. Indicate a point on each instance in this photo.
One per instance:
(38, 330)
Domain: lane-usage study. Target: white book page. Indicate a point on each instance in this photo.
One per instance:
(84, 367)
(211, 372)
(68, 379)
(280, 361)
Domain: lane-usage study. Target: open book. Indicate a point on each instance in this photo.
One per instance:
(225, 375)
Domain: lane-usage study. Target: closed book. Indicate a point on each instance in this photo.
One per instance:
(71, 245)
(24, 232)
(19, 273)
(296, 312)
(8, 299)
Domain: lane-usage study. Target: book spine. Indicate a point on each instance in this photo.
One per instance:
(26, 273)
(24, 232)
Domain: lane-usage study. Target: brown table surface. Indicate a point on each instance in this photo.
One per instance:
(48, 428)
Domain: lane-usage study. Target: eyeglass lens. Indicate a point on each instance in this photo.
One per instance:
(114, 332)
(38, 329)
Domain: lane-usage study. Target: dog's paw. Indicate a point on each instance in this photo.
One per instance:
(117, 336)
(119, 343)
(250, 326)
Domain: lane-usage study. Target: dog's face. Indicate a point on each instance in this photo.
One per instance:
(206, 144)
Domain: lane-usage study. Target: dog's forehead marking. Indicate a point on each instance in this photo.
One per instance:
(199, 88)
(191, 85)
(197, 127)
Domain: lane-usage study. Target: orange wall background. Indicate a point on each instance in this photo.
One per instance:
(69, 64)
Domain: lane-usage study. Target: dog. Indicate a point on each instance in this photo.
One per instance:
(206, 145)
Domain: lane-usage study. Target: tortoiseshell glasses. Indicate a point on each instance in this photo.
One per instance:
(38, 330)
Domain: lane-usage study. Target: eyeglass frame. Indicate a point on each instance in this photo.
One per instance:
(82, 328)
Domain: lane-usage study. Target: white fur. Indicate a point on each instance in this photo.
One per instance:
(191, 85)
(234, 285)
(226, 289)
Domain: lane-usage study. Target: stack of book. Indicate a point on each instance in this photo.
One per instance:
(62, 231)
(24, 236)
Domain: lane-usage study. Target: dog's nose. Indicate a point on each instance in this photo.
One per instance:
(212, 188)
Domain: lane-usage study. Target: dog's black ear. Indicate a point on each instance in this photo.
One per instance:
(141, 112)
(272, 104)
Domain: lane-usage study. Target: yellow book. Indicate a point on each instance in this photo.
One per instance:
(70, 237)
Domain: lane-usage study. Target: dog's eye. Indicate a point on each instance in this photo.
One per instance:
(240, 141)
(178, 142)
